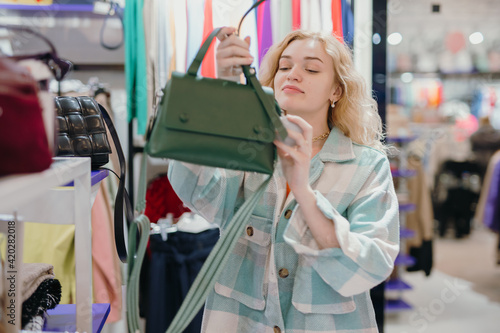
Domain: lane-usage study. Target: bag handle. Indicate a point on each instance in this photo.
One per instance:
(273, 111)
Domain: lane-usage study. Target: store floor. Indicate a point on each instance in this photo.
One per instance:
(461, 295)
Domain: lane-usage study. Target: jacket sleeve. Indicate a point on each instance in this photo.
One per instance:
(210, 192)
(368, 236)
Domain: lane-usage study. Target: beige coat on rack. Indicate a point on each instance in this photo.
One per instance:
(421, 221)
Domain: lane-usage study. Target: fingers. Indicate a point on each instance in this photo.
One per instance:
(225, 32)
(232, 53)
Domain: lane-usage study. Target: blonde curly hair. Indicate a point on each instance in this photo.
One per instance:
(355, 113)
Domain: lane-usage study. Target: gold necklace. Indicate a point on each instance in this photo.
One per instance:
(321, 137)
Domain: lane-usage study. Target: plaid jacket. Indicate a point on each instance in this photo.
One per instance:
(277, 279)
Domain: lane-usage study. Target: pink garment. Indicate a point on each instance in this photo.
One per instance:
(106, 275)
(295, 14)
(465, 127)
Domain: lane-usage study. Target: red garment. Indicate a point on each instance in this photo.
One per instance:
(161, 200)
(295, 14)
(208, 64)
(337, 19)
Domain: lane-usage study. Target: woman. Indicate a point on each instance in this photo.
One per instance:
(326, 230)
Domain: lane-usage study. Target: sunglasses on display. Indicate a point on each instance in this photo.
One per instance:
(59, 67)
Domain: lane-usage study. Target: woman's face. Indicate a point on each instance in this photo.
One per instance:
(304, 82)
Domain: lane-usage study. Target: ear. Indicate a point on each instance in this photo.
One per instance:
(337, 92)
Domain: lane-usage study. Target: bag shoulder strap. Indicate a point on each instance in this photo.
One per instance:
(122, 199)
(214, 264)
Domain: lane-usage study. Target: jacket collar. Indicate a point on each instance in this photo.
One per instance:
(337, 148)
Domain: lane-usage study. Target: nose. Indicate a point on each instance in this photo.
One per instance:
(294, 74)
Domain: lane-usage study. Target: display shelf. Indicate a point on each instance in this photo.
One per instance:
(407, 207)
(400, 139)
(406, 233)
(53, 7)
(403, 173)
(404, 260)
(397, 284)
(42, 197)
(96, 176)
(62, 318)
(396, 305)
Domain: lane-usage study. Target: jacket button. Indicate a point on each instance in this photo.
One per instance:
(277, 329)
(283, 273)
(288, 213)
(249, 231)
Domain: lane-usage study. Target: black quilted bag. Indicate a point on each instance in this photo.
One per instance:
(82, 130)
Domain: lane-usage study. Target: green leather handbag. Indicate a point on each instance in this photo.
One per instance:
(216, 122)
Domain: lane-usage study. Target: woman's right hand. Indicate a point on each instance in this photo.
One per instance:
(232, 53)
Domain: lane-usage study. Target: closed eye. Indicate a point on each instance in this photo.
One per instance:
(312, 71)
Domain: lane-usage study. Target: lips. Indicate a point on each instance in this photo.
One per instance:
(292, 89)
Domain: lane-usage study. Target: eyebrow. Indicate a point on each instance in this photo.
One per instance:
(306, 58)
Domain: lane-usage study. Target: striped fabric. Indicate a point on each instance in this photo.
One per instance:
(277, 277)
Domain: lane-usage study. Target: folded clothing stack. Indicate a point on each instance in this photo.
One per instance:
(40, 292)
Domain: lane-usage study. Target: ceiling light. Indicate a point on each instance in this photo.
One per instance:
(395, 38)
(476, 38)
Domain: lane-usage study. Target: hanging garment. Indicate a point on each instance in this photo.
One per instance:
(337, 19)
(347, 22)
(285, 20)
(296, 24)
(161, 200)
(195, 21)
(174, 265)
(106, 274)
(135, 63)
(150, 38)
(57, 242)
(208, 63)
(491, 216)
(181, 34)
(485, 189)
(275, 19)
(420, 221)
(264, 29)
(165, 47)
(326, 18)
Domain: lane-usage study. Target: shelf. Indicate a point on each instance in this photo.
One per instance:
(407, 207)
(53, 7)
(396, 305)
(439, 75)
(41, 197)
(406, 233)
(397, 284)
(400, 139)
(95, 177)
(404, 260)
(62, 318)
(403, 173)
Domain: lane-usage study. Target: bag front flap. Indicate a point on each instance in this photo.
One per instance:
(215, 107)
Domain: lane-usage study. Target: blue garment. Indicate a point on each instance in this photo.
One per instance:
(173, 268)
(347, 23)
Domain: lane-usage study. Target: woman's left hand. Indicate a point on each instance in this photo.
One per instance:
(296, 160)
